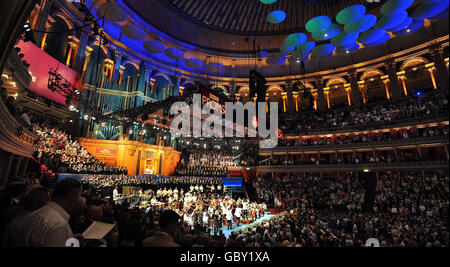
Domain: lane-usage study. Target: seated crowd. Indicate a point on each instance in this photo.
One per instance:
(408, 211)
(409, 133)
(343, 158)
(367, 115)
(206, 163)
(152, 182)
(59, 152)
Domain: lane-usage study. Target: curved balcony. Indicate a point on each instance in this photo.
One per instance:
(433, 140)
(18, 71)
(374, 126)
(14, 138)
(394, 166)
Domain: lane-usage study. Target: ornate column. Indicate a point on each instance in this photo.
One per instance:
(394, 84)
(363, 91)
(356, 95)
(385, 80)
(321, 102)
(41, 21)
(326, 91)
(347, 90)
(436, 52)
(13, 15)
(284, 96)
(401, 75)
(290, 96)
(295, 94)
(87, 57)
(79, 56)
(431, 68)
(47, 27)
(71, 55)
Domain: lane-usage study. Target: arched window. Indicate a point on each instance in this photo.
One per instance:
(56, 43)
(161, 90)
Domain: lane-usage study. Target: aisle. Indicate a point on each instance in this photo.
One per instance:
(227, 233)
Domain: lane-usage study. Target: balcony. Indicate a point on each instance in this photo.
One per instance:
(17, 70)
(374, 126)
(395, 166)
(434, 140)
(14, 138)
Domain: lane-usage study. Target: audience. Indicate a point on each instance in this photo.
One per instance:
(207, 163)
(59, 152)
(366, 116)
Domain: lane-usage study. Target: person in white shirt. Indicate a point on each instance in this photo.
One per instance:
(116, 194)
(49, 225)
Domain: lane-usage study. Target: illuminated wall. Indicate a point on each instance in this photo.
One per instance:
(40, 64)
(139, 158)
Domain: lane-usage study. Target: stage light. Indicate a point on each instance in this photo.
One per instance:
(419, 93)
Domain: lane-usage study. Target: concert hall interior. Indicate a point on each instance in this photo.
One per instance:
(212, 123)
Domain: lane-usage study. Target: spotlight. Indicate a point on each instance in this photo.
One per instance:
(419, 93)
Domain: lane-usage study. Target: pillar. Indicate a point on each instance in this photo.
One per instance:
(431, 69)
(73, 47)
(321, 102)
(290, 96)
(284, 96)
(80, 53)
(13, 15)
(362, 89)
(41, 21)
(295, 94)
(385, 80)
(436, 52)
(326, 91)
(348, 89)
(401, 75)
(394, 84)
(356, 95)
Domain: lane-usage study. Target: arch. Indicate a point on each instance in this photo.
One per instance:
(308, 85)
(413, 62)
(130, 62)
(371, 73)
(336, 80)
(57, 40)
(61, 15)
(103, 47)
(162, 74)
(275, 87)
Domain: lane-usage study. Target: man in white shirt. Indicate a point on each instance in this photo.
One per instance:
(116, 194)
(49, 225)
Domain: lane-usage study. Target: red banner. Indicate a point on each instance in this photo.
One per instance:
(40, 64)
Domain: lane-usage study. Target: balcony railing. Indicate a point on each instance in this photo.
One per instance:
(19, 72)
(372, 126)
(372, 167)
(358, 146)
(14, 138)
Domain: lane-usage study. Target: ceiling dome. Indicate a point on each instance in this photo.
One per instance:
(244, 16)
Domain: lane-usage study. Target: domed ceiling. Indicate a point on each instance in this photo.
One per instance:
(248, 17)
